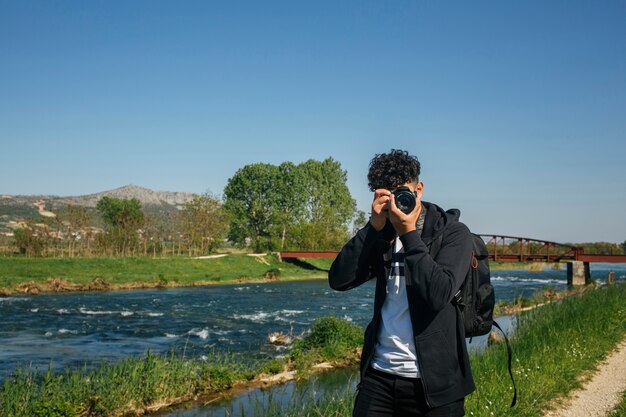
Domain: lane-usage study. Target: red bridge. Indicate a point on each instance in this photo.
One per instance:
(521, 249)
(518, 249)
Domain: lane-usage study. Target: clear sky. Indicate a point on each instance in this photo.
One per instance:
(516, 109)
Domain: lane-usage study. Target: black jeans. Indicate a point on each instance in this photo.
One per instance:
(384, 395)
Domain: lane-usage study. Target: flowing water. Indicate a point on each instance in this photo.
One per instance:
(74, 329)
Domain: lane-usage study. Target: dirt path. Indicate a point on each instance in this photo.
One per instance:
(601, 393)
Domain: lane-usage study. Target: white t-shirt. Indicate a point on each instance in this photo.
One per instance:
(395, 348)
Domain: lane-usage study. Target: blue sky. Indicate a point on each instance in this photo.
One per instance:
(517, 110)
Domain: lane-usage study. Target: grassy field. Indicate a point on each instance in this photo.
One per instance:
(119, 273)
(21, 274)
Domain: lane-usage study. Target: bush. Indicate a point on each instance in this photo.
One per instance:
(272, 273)
(331, 338)
(273, 367)
(332, 329)
(56, 409)
(219, 377)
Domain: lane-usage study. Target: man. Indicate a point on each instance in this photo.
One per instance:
(414, 360)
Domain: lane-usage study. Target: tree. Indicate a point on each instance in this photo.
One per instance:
(29, 242)
(290, 201)
(122, 217)
(330, 206)
(305, 206)
(326, 191)
(152, 234)
(77, 219)
(203, 223)
(360, 220)
(250, 197)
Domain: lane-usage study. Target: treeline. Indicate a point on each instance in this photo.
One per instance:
(590, 248)
(264, 208)
(602, 248)
(126, 230)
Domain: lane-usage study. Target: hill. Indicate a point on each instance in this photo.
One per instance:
(17, 208)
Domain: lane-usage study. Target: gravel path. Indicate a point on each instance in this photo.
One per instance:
(601, 394)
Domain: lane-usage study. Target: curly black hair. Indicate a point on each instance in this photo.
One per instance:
(389, 170)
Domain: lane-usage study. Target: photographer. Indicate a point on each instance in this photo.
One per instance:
(414, 360)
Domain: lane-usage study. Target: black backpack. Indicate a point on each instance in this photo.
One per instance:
(476, 299)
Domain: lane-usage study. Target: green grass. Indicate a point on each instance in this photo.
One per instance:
(331, 339)
(126, 272)
(538, 298)
(130, 385)
(306, 404)
(620, 409)
(138, 383)
(528, 266)
(554, 347)
(171, 271)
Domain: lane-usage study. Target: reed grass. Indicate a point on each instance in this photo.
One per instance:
(555, 348)
(307, 404)
(128, 387)
(539, 298)
(135, 385)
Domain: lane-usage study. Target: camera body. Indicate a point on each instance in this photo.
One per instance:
(406, 200)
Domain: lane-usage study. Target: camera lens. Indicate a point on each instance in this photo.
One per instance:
(405, 199)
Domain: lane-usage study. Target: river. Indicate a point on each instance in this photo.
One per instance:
(72, 329)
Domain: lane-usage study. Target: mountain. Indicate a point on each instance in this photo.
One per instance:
(145, 195)
(16, 208)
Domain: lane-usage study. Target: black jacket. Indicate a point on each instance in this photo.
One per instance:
(431, 284)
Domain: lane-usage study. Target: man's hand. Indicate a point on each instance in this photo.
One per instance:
(403, 223)
(380, 212)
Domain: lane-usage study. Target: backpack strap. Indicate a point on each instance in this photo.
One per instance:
(508, 348)
(435, 244)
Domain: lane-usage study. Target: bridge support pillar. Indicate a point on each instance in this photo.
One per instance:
(610, 279)
(578, 273)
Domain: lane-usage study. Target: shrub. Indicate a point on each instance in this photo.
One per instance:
(56, 409)
(333, 329)
(330, 337)
(219, 377)
(272, 273)
(273, 367)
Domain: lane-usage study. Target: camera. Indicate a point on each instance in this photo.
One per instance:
(405, 199)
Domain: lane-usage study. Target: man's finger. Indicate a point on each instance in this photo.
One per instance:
(381, 192)
(392, 206)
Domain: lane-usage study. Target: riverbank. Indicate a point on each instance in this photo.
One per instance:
(20, 275)
(142, 385)
(555, 349)
(553, 346)
(601, 392)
